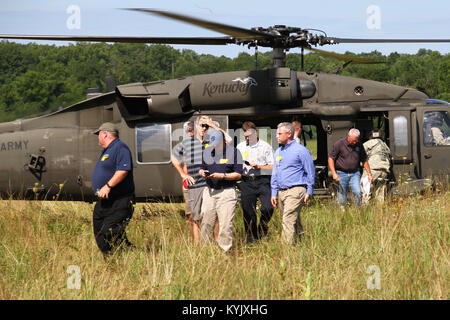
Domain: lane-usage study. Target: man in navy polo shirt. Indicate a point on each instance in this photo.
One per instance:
(113, 183)
(221, 168)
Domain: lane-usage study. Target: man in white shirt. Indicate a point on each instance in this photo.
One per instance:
(257, 156)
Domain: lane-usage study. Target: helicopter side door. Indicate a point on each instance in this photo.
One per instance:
(434, 139)
(152, 148)
(402, 142)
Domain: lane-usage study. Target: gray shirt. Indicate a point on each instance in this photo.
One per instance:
(190, 151)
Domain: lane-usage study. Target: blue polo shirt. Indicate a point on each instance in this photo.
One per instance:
(116, 156)
(230, 160)
(293, 166)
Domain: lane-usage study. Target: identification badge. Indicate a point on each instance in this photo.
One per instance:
(106, 156)
(223, 161)
(279, 158)
(246, 154)
(206, 145)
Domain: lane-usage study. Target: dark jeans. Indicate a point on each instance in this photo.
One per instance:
(110, 218)
(251, 190)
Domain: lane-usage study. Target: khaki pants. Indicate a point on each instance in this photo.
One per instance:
(378, 187)
(218, 204)
(291, 203)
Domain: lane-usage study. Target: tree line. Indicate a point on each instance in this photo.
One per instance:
(35, 78)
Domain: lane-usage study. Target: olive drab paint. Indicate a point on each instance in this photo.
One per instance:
(55, 154)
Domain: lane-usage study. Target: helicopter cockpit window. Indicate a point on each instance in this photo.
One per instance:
(401, 136)
(153, 143)
(436, 128)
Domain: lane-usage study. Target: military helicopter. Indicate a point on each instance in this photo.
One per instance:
(53, 156)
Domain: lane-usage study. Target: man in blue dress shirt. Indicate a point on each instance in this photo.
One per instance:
(292, 180)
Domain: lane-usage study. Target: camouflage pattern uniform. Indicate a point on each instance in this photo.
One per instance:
(438, 137)
(379, 156)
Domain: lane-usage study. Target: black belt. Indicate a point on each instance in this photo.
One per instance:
(299, 185)
(252, 178)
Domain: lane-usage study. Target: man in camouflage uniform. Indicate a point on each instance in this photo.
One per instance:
(379, 155)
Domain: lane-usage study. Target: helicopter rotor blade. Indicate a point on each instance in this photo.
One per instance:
(345, 57)
(351, 40)
(236, 32)
(161, 40)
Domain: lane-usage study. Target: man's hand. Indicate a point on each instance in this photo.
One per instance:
(370, 178)
(190, 180)
(210, 123)
(274, 201)
(307, 196)
(104, 192)
(202, 173)
(254, 165)
(216, 175)
(336, 177)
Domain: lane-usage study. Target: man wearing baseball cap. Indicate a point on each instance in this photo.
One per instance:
(221, 168)
(112, 181)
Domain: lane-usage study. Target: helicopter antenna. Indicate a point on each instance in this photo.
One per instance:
(302, 67)
(256, 55)
(339, 69)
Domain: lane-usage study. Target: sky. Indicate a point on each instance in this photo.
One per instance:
(345, 19)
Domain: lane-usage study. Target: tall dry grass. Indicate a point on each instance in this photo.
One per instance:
(407, 239)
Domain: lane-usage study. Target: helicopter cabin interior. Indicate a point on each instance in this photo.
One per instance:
(397, 125)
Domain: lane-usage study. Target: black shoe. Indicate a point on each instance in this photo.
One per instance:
(250, 239)
(129, 245)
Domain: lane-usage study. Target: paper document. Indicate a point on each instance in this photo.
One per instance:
(366, 184)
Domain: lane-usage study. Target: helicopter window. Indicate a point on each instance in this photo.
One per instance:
(153, 143)
(309, 139)
(436, 128)
(401, 135)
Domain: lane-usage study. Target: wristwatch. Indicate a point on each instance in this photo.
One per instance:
(107, 184)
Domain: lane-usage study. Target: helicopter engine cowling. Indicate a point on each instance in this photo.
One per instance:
(177, 97)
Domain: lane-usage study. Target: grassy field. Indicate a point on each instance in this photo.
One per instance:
(45, 246)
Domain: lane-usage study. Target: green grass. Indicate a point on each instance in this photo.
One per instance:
(408, 239)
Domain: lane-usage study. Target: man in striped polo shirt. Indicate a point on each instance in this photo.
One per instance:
(189, 152)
